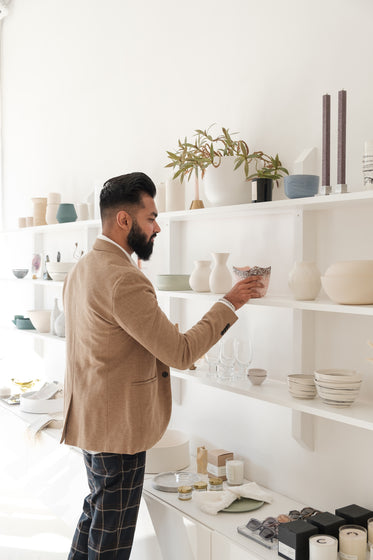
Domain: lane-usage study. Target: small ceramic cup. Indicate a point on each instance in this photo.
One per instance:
(300, 186)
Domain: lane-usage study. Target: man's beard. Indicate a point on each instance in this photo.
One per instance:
(137, 241)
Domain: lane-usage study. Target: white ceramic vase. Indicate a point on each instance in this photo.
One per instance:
(304, 280)
(40, 207)
(175, 195)
(59, 325)
(220, 280)
(51, 213)
(54, 314)
(199, 280)
(224, 186)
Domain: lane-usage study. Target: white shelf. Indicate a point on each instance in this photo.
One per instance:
(278, 301)
(359, 414)
(35, 334)
(29, 281)
(68, 226)
(313, 203)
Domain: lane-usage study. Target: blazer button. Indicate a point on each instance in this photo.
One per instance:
(164, 373)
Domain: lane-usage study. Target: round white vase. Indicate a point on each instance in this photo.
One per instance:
(59, 325)
(220, 278)
(199, 280)
(304, 280)
(224, 186)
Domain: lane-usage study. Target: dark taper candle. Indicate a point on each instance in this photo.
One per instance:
(326, 140)
(341, 165)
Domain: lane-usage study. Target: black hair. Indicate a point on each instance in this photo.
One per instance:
(125, 190)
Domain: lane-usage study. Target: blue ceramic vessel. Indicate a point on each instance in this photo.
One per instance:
(66, 213)
(301, 186)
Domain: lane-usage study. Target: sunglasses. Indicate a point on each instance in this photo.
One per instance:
(304, 513)
(267, 529)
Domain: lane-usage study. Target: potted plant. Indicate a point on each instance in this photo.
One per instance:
(267, 170)
(207, 154)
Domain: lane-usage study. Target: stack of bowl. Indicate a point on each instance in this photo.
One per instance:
(302, 386)
(337, 387)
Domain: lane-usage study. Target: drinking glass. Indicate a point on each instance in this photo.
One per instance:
(227, 359)
(243, 351)
(212, 358)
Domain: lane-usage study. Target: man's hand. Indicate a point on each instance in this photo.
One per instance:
(244, 290)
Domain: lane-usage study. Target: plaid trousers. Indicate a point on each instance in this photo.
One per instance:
(106, 527)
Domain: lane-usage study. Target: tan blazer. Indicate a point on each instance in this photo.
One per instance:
(120, 345)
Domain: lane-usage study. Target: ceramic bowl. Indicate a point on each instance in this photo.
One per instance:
(40, 318)
(300, 186)
(171, 453)
(172, 282)
(23, 323)
(66, 213)
(59, 270)
(257, 375)
(20, 272)
(349, 282)
(246, 271)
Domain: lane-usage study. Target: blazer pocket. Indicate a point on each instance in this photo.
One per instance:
(145, 382)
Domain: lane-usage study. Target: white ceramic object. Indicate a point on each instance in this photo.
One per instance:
(39, 406)
(54, 314)
(59, 270)
(171, 453)
(223, 186)
(82, 211)
(54, 198)
(220, 280)
(304, 280)
(160, 197)
(349, 282)
(199, 279)
(40, 318)
(59, 325)
(175, 195)
(51, 214)
(257, 375)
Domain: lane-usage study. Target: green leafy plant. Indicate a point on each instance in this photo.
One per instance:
(195, 157)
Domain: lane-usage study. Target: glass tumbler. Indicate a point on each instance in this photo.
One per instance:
(244, 355)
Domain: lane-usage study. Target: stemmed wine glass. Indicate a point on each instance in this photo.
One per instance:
(243, 351)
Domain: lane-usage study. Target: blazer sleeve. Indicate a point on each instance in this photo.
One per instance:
(136, 309)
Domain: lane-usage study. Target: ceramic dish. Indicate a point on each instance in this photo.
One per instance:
(172, 282)
(242, 505)
(20, 272)
(170, 481)
(246, 271)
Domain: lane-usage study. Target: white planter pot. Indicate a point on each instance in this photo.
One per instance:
(220, 277)
(199, 280)
(304, 280)
(223, 186)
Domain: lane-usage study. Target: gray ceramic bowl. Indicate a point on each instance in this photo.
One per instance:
(301, 186)
(172, 282)
(20, 272)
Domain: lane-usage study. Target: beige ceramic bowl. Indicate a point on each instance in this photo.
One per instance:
(172, 282)
(171, 453)
(349, 282)
(40, 318)
(59, 270)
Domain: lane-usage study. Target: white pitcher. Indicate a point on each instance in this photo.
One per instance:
(199, 280)
(304, 280)
(220, 278)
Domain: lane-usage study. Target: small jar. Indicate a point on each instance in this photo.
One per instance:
(184, 493)
(200, 486)
(215, 484)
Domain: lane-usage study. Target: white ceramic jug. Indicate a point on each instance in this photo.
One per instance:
(304, 280)
(220, 278)
(59, 325)
(199, 280)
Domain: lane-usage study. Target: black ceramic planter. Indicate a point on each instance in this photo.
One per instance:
(262, 190)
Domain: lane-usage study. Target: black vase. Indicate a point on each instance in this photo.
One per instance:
(263, 190)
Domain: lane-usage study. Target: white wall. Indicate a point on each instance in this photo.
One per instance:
(92, 89)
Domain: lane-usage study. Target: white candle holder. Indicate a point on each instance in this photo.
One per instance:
(340, 189)
(325, 190)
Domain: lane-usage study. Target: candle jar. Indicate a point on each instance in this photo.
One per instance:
(370, 531)
(323, 547)
(234, 472)
(200, 486)
(352, 542)
(215, 484)
(184, 493)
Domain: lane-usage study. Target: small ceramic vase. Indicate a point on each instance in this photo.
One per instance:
(51, 214)
(66, 213)
(55, 313)
(82, 211)
(40, 207)
(220, 278)
(59, 325)
(175, 195)
(304, 280)
(199, 279)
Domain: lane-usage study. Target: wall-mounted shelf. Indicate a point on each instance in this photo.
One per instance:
(359, 414)
(35, 334)
(68, 226)
(278, 301)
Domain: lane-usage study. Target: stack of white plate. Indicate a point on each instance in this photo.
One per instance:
(337, 387)
(302, 386)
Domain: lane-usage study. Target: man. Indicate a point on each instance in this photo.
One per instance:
(120, 346)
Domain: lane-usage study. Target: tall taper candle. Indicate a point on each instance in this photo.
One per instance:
(341, 165)
(325, 140)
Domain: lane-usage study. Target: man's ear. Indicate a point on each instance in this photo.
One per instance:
(124, 220)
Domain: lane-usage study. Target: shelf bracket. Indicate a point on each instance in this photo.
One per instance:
(303, 429)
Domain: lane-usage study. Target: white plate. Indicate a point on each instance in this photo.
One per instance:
(170, 481)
